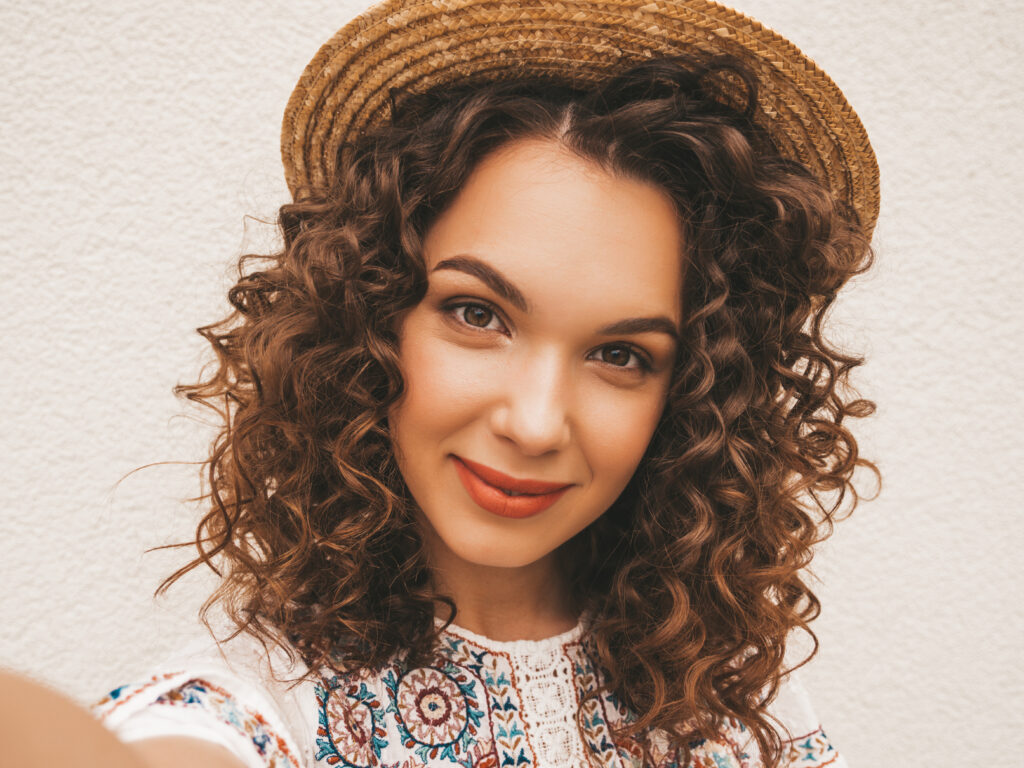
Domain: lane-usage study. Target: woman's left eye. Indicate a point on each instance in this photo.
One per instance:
(625, 352)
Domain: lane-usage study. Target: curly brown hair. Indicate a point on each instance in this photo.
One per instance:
(693, 577)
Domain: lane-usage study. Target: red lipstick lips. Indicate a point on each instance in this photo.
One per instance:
(487, 487)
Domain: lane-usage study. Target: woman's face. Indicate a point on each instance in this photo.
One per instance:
(542, 350)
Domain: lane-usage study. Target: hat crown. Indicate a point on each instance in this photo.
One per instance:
(417, 44)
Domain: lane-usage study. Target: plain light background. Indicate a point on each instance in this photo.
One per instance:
(136, 139)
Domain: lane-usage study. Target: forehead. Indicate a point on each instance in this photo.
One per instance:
(556, 224)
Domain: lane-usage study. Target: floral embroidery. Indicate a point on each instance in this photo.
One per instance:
(470, 707)
(351, 724)
(200, 693)
(511, 744)
(594, 715)
(434, 706)
(207, 696)
(436, 710)
(812, 749)
(125, 693)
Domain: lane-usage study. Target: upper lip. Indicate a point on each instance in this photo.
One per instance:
(509, 483)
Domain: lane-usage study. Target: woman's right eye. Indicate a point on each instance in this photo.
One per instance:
(472, 314)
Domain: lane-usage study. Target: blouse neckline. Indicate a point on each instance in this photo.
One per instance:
(544, 645)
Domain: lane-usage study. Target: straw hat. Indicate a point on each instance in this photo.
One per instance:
(417, 44)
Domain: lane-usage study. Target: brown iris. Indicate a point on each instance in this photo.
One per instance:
(477, 311)
(623, 356)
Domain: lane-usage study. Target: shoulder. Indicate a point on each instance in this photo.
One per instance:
(237, 694)
(805, 743)
(802, 730)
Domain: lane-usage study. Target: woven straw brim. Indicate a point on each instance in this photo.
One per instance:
(416, 44)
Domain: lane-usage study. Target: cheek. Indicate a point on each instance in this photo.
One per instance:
(444, 386)
(616, 430)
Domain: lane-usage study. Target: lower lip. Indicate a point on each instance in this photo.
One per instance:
(497, 502)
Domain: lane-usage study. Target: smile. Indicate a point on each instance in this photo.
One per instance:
(511, 502)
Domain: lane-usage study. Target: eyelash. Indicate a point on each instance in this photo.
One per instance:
(450, 309)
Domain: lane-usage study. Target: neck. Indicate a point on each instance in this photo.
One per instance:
(529, 602)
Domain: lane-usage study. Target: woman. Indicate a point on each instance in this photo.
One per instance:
(527, 427)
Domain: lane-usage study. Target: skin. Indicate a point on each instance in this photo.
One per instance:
(538, 394)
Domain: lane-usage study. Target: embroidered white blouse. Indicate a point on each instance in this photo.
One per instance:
(480, 704)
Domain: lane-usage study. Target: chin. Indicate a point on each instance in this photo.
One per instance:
(504, 553)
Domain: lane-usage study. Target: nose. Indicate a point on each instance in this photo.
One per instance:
(534, 408)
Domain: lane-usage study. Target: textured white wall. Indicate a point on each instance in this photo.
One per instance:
(136, 137)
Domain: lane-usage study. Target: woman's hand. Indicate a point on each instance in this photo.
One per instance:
(41, 728)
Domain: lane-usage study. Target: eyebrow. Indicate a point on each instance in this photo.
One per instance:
(505, 288)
